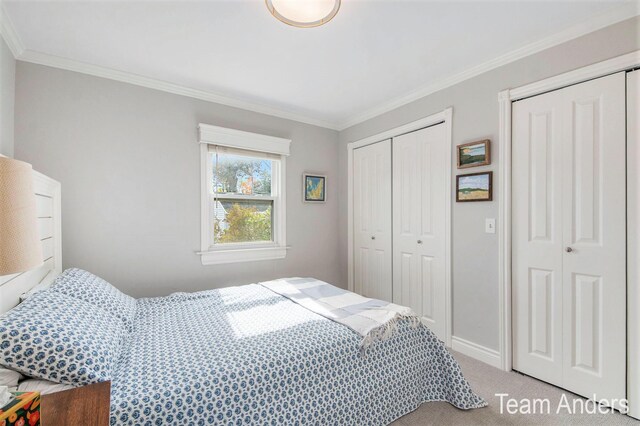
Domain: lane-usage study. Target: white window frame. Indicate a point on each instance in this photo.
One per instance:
(212, 254)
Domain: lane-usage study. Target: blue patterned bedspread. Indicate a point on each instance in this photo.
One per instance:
(246, 355)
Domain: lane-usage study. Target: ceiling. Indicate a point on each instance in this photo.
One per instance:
(373, 55)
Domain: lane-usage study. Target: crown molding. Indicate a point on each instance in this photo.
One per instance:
(9, 34)
(619, 14)
(152, 83)
(7, 31)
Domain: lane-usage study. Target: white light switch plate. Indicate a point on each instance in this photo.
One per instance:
(490, 226)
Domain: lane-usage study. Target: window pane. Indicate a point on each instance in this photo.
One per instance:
(240, 221)
(236, 174)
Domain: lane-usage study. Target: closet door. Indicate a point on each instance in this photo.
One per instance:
(569, 279)
(594, 234)
(372, 220)
(537, 240)
(419, 223)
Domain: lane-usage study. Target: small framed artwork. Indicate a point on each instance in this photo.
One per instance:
(314, 187)
(474, 154)
(474, 187)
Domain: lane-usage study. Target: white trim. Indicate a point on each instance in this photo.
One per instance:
(481, 353)
(504, 229)
(246, 197)
(350, 283)
(165, 86)
(445, 117)
(205, 177)
(8, 33)
(505, 99)
(628, 10)
(233, 138)
(397, 131)
(633, 244)
(219, 257)
(448, 293)
(579, 75)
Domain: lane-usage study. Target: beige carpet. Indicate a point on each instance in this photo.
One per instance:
(486, 381)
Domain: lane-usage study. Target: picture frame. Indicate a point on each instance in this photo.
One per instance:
(474, 154)
(474, 187)
(314, 188)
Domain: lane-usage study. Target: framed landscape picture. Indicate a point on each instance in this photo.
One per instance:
(474, 187)
(474, 154)
(314, 188)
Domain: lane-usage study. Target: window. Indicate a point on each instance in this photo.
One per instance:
(243, 217)
(242, 199)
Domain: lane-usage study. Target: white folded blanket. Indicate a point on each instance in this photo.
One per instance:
(371, 318)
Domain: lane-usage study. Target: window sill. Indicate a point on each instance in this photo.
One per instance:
(252, 254)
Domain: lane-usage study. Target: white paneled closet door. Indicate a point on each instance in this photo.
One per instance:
(372, 220)
(569, 237)
(419, 223)
(537, 240)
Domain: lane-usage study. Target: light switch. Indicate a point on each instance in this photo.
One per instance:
(490, 226)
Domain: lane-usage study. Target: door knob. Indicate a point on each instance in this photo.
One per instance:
(373, 237)
(568, 249)
(419, 241)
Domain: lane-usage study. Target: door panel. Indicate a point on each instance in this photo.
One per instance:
(587, 323)
(419, 209)
(569, 237)
(587, 179)
(594, 272)
(403, 273)
(427, 288)
(372, 220)
(537, 237)
(541, 288)
(541, 175)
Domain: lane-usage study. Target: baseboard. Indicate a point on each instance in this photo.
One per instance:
(481, 353)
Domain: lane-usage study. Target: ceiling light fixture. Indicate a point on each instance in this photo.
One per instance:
(303, 13)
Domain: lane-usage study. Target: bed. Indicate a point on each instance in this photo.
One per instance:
(237, 355)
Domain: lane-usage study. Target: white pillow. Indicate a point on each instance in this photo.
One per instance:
(9, 378)
(42, 386)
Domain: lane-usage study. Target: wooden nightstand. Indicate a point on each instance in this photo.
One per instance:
(87, 406)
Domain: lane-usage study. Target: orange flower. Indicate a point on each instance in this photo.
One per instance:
(34, 417)
(13, 418)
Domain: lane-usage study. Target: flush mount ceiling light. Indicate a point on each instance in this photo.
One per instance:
(304, 13)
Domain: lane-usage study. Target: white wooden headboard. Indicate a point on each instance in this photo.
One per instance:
(47, 192)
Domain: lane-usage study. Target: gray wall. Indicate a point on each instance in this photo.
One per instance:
(7, 97)
(129, 164)
(475, 116)
(128, 161)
